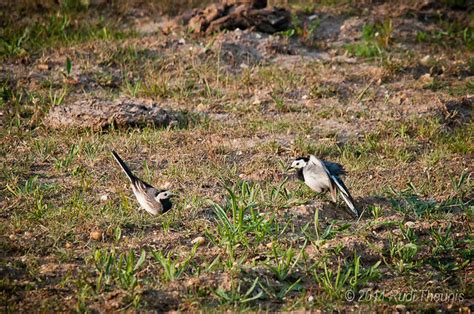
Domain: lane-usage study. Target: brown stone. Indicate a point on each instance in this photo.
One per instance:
(96, 235)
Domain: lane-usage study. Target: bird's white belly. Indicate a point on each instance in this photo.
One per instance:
(144, 203)
(317, 184)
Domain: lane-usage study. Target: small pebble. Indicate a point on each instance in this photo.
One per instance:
(104, 197)
(401, 308)
(95, 235)
(43, 66)
(199, 241)
(201, 107)
(426, 78)
(426, 60)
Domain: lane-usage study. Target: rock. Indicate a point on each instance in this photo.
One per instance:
(201, 107)
(104, 197)
(199, 241)
(43, 67)
(95, 235)
(426, 78)
(426, 60)
(397, 232)
(401, 308)
(98, 114)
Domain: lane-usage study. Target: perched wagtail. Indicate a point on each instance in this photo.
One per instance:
(321, 176)
(151, 199)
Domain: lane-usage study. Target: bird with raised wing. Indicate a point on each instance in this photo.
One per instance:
(150, 199)
(322, 176)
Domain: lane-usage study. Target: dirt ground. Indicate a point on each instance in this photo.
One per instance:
(383, 87)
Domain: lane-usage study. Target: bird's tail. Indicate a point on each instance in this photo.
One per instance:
(346, 196)
(124, 167)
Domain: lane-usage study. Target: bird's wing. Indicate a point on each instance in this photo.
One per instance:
(334, 168)
(343, 190)
(145, 188)
(146, 194)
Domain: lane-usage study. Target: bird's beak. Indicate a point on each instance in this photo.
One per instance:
(173, 195)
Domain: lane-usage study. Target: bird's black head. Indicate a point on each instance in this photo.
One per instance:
(300, 162)
(164, 197)
(305, 159)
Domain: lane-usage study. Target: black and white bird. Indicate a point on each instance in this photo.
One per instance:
(321, 176)
(151, 199)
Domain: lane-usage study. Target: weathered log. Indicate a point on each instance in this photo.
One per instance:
(268, 20)
(233, 14)
(255, 4)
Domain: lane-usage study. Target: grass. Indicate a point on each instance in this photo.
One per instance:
(60, 28)
(376, 38)
(172, 269)
(349, 276)
(70, 225)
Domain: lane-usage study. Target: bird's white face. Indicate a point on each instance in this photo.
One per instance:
(298, 164)
(164, 195)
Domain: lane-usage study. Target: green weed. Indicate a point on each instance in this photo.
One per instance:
(117, 269)
(236, 295)
(172, 267)
(347, 275)
(284, 261)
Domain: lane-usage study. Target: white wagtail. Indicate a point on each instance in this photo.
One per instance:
(321, 176)
(151, 199)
